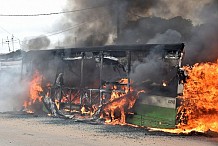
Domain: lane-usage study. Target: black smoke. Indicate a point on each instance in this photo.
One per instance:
(143, 21)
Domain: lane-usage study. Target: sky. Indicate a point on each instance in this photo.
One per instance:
(27, 26)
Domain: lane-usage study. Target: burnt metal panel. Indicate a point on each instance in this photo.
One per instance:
(113, 50)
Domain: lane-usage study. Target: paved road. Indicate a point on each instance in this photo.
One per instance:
(28, 130)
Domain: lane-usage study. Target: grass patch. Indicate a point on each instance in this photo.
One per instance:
(153, 116)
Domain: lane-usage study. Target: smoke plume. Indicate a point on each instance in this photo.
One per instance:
(143, 21)
(149, 69)
(36, 43)
(12, 90)
(168, 37)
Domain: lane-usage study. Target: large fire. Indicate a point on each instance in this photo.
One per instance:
(113, 110)
(198, 110)
(199, 105)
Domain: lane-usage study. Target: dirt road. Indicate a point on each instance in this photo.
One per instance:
(29, 130)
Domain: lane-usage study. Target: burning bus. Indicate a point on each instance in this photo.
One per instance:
(134, 84)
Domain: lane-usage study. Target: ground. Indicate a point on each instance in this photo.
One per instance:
(17, 129)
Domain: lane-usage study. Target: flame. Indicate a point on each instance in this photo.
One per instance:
(29, 111)
(198, 111)
(34, 90)
(83, 110)
(57, 103)
(164, 83)
(93, 110)
(35, 87)
(199, 106)
(122, 99)
(74, 99)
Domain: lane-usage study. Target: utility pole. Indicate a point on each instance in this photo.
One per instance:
(118, 18)
(12, 41)
(7, 41)
(75, 42)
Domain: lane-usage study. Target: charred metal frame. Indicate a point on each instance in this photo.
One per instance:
(81, 77)
(100, 52)
(129, 70)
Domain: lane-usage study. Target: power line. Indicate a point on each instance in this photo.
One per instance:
(62, 31)
(70, 28)
(75, 26)
(46, 14)
(5, 30)
(12, 39)
(9, 33)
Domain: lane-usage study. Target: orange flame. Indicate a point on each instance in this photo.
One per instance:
(198, 110)
(83, 110)
(34, 90)
(122, 99)
(200, 98)
(122, 104)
